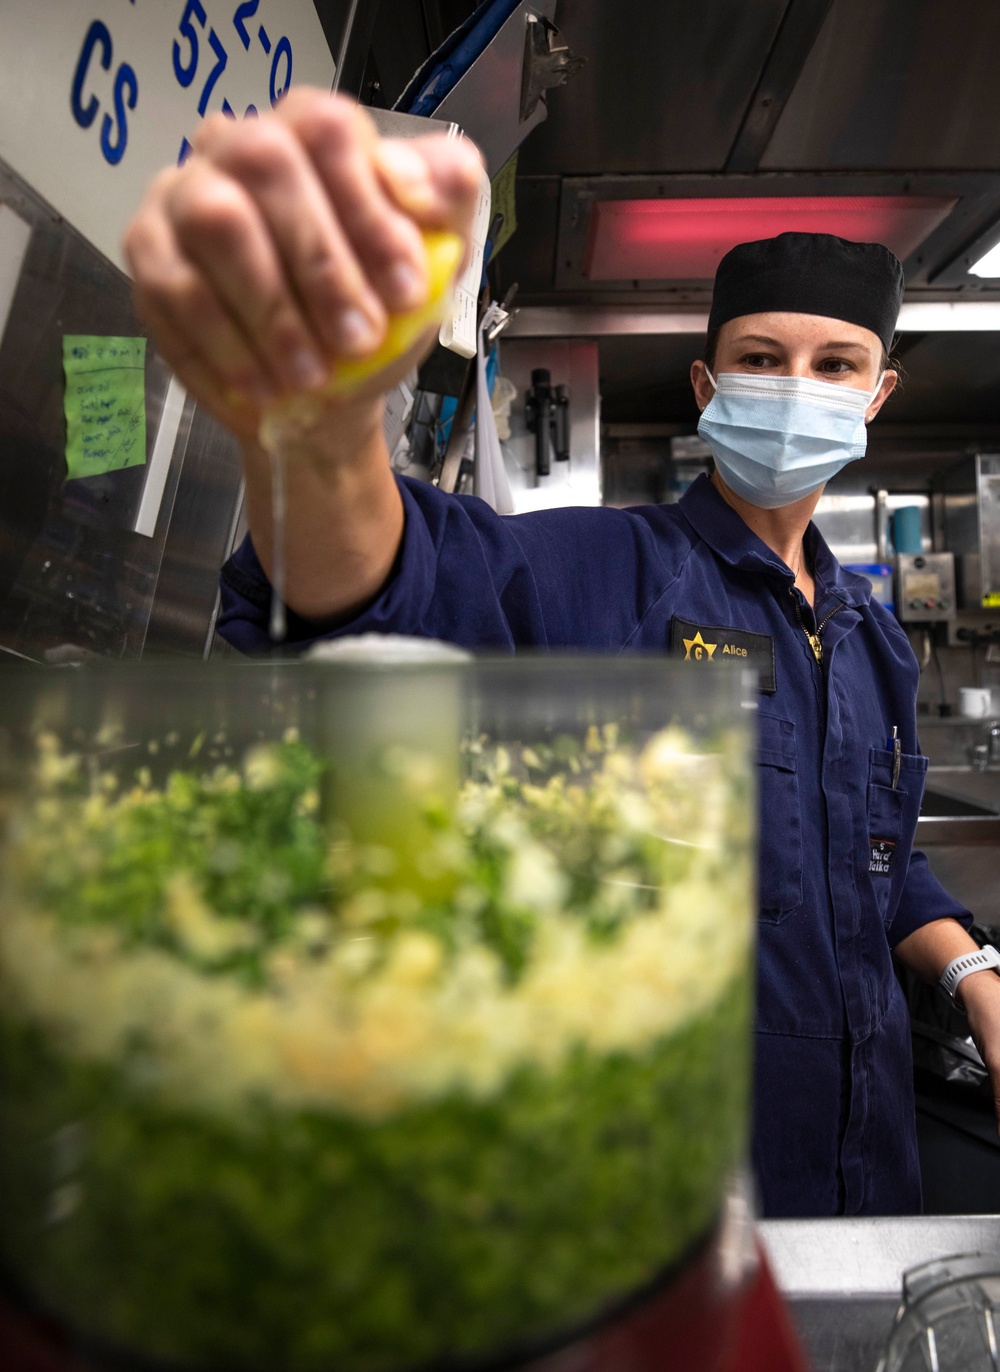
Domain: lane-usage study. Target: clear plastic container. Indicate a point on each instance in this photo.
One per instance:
(950, 1317)
(882, 578)
(360, 1016)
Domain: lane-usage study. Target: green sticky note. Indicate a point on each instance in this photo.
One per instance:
(105, 403)
(502, 187)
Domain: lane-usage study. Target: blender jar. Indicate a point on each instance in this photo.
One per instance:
(367, 1017)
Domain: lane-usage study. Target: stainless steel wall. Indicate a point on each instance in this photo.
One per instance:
(75, 576)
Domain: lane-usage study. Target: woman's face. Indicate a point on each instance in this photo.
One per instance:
(807, 345)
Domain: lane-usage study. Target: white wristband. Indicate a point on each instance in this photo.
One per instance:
(979, 961)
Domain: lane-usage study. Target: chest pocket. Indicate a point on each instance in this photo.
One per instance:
(780, 849)
(892, 823)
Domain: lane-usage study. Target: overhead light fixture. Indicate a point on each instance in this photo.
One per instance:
(684, 239)
(950, 316)
(988, 264)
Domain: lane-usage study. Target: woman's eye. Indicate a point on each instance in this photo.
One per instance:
(835, 366)
(757, 360)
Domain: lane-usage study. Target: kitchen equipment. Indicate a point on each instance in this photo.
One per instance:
(546, 415)
(279, 1094)
(974, 701)
(881, 577)
(713, 1315)
(969, 501)
(925, 592)
(949, 1317)
(907, 534)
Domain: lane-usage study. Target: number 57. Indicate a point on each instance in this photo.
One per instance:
(185, 72)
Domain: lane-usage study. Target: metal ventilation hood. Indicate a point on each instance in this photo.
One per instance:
(725, 106)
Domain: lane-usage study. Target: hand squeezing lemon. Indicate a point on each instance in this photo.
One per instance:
(444, 255)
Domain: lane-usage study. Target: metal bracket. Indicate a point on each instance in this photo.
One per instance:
(496, 320)
(548, 62)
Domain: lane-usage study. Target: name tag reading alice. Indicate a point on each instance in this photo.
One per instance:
(708, 644)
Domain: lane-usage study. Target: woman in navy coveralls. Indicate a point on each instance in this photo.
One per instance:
(280, 246)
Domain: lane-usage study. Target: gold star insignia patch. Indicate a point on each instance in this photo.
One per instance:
(697, 648)
(724, 644)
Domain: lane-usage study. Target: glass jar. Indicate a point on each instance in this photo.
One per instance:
(364, 1016)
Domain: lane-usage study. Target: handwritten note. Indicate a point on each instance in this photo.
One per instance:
(105, 403)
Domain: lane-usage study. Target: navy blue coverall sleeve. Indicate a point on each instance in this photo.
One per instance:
(467, 575)
(922, 901)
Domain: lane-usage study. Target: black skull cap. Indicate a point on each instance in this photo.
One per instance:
(811, 273)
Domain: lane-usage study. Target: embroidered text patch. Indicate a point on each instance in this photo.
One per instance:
(883, 850)
(711, 643)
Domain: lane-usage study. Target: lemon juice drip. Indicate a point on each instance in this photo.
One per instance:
(278, 625)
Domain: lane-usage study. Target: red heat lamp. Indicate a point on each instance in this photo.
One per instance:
(683, 240)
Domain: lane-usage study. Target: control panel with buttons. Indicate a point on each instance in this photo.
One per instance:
(925, 584)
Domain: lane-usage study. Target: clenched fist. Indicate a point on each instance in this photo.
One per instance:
(284, 243)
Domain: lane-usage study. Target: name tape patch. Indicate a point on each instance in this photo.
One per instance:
(883, 850)
(711, 643)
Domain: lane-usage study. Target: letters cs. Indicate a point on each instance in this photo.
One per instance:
(114, 131)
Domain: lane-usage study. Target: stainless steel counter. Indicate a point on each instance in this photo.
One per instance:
(842, 1278)
(963, 849)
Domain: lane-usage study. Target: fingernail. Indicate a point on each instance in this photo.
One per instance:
(356, 332)
(407, 286)
(306, 369)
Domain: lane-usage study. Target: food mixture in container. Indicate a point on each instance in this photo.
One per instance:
(280, 1088)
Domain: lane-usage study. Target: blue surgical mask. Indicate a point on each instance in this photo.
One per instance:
(777, 439)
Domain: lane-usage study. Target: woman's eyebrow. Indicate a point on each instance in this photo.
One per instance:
(758, 338)
(840, 347)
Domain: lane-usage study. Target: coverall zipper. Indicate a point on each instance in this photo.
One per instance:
(815, 642)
